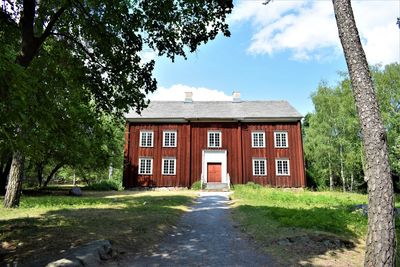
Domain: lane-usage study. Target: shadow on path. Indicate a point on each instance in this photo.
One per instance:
(205, 236)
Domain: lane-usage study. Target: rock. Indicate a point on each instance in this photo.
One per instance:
(361, 208)
(64, 263)
(75, 191)
(89, 255)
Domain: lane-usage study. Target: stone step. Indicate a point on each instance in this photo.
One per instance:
(217, 186)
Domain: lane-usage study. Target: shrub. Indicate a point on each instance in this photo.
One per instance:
(196, 185)
(105, 185)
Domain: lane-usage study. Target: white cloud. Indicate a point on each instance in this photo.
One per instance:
(177, 93)
(308, 28)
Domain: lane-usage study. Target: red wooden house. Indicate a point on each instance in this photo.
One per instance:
(176, 143)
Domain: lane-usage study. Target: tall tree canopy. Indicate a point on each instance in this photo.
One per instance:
(334, 127)
(53, 53)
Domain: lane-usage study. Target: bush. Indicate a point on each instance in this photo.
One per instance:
(105, 185)
(196, 185)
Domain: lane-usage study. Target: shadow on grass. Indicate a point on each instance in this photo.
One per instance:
(129, 222)
(296, 236)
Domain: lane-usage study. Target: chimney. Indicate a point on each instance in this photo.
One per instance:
(236, 97)
(188, 97)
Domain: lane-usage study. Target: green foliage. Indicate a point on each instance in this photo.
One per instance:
(196, 185)
(332, 134)
(105, 185)
(69, 71)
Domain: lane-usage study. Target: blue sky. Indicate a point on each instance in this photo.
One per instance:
(280, 51)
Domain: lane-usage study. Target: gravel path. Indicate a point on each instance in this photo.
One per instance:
(205, 236)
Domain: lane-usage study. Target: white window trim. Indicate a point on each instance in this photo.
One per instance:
(252, 139)
(276, 167)
(162, 166)
(176, 137)
(265, 166)
(220, 139)
(152, 138)
(287, 139)
(151, 166)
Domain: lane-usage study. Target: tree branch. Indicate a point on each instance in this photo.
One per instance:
(87, 52)
(51, 24)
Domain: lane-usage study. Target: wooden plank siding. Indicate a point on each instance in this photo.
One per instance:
(229, 143)
(294, 153)
(157, 153)
(236, 140)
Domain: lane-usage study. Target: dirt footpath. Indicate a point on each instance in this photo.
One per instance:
(205, 236)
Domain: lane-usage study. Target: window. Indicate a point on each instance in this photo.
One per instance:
(281, 139)
(214, 139)
(169, 166)
(260, 167)
(145, 166)
(146, 138)
(258, 139)
(169, 139)
(282, 167)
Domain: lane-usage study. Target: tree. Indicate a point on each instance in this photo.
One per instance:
(381, 241)
(106, 38)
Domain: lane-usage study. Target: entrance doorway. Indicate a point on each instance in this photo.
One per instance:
(214, 172)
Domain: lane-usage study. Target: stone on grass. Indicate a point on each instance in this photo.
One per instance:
(75, 191)
(89, 255)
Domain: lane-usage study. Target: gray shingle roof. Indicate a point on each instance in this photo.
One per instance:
(268, 110)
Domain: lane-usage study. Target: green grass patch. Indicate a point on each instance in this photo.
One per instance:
(322, 211)
(45, 225)
(279, 218)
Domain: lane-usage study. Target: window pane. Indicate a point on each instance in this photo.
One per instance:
(217, 139)
(171, 166)
(284, 139)
(172, 139)
(262, 167)
(278, 139)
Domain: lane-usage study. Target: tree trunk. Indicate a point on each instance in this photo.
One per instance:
(50, 176)
(342, 168)
(330, 174)
(351, 181)
(14, 185)
(4, 175)
(381, 241)
(39, 171)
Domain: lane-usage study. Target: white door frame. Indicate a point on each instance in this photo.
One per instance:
(215, 156)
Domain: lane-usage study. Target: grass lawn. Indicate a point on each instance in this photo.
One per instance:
(45, 226)
(303, 228)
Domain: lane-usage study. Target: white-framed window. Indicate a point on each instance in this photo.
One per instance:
(214, 139)
(259, 167)
(169, 139)
(281, 139)
(146, 138)
(146, 166)
(168, 166)
(258, 139)
(282, 167)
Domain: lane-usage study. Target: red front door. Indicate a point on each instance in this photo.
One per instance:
(213, 172)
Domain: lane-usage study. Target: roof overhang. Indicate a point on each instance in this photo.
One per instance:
(185, 120)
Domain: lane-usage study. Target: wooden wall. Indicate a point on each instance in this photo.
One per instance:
(230, 143)
(294, 153)
(157, 152)
(236, 139)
